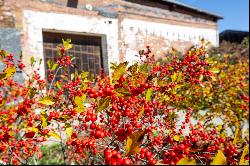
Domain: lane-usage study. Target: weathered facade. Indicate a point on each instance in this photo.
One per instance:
(104, 31)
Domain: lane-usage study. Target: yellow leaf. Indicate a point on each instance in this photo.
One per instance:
(79, 100)
(215, 70)
(31, 92)
(103, 103)
(11, 133)
(223, 135)
(32, 60)
(121, 92)
(162, 83)
(219, 159)
(80, 109)
(148, 94)
(186, 161)
(140, 113)
(33, 129)
(242, 158)
(133, 143)
(69, 131)
(58, 85)
(173, 77)
(160, 163)
(176, 138)
(46, 101)
(8, 72)
(3, 102)
(44, 118)
(54, 66)
(213, 78)
(55, 135)
(236, 136)
(119, 71)
(179, 77)
(219, 127)
(66, 44)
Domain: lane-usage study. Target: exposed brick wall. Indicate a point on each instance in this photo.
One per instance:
(135, 34)
(7, 18)
(128, 41)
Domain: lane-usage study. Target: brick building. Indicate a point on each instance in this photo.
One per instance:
(102, 31)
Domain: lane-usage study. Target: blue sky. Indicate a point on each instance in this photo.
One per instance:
(235, 12)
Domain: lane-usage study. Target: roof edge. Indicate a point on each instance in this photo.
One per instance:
(176, 2)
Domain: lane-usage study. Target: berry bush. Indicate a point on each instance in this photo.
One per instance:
(130, 117)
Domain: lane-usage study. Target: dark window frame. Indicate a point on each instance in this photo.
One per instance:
(101, 38)
(72, 3)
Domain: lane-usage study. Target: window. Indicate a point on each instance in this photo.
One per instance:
(85, 49)
(72, 3)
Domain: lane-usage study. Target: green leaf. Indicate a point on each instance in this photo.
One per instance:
(46, 101)
(148, 94)
(162, 83)
(32, 61)
(119, 71)
(103, 103)
(170, 68)
(201, 77)
(40, 61)
(173, 77)
(113, 66)
(54, 67)
(49, 64)
(143, 68)
(215, 70)
(72, 76)
(155, 133)
(58, 85)
(179, 77)
(186, 161)
(133, 68)
(122, 92)
(219, 159)
(31, 92)
(3, 54)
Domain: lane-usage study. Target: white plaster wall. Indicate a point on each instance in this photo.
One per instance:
(167, 31)
(34, 22)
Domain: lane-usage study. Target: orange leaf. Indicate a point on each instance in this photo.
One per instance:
(133, 143)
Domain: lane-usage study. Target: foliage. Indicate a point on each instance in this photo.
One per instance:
(129, 118)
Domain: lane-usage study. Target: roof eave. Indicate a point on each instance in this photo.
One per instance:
(217, 16)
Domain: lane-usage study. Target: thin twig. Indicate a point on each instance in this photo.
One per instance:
(61, 144)
(53, 79)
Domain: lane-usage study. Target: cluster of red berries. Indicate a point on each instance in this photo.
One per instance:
(145, 154)
(113, 157)
(64, 61)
